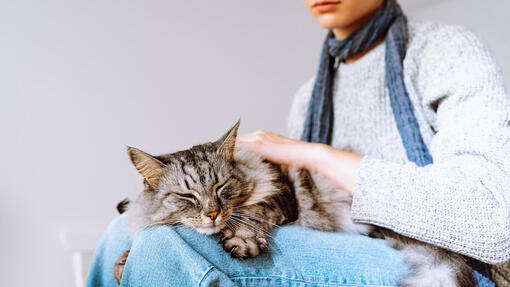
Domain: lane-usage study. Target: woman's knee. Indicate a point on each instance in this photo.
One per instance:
(168, 254)
(117, 230)
(181, 244)
(113, 243)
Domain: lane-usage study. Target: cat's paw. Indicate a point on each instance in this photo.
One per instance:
(243, 243)
(118, 268)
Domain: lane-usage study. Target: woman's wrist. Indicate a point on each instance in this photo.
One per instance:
(309, 155)
(339, 166)
(316, 156)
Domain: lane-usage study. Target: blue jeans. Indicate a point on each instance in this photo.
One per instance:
(179, 256)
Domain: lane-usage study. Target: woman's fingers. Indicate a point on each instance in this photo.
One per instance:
(274, 147)
(340, 166)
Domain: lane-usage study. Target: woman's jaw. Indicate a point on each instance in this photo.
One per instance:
(342, 16)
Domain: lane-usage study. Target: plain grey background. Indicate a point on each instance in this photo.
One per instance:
(80, 80)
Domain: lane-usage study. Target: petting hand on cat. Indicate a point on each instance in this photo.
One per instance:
(339, 166)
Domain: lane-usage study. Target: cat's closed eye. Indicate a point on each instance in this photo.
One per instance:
(186, 195)
(219, 187)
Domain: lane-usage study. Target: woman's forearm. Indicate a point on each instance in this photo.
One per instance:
(337, 165)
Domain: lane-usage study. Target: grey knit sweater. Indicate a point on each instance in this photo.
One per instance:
(461, 201)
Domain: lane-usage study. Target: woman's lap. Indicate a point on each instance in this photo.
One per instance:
(179, 256)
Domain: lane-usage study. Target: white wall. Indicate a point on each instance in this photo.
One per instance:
(79, 80)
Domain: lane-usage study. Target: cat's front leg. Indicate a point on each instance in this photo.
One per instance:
(247, 229)
(118, 268)
(243, 241)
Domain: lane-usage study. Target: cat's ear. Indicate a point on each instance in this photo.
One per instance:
(149, 167)
(227, 143)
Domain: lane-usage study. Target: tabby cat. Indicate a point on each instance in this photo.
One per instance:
(216, 188)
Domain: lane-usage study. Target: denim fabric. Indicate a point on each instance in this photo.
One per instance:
(179, 256)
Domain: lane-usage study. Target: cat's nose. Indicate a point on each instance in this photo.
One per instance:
(212, 215)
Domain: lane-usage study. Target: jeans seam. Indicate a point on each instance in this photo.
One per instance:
(204, 275)
(304, 281)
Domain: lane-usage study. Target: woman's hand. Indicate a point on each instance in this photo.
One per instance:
(279, 149)
(339, 166)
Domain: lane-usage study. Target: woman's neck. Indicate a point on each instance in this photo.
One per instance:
(344, 32)
(361, 54)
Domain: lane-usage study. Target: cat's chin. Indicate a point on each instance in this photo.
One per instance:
(208, 230)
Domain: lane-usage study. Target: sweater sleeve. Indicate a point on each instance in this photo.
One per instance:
(462, 201)
(298, 110)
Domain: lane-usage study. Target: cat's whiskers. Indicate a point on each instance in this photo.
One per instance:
(273, 246)
(247, 224)
(234, 224)
(228, 224)
(256, 218)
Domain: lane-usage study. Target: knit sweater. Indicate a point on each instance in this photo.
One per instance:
(460, 202)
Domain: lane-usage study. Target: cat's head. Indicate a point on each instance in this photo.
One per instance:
(198, 187)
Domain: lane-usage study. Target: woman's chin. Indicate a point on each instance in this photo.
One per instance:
(331, 21)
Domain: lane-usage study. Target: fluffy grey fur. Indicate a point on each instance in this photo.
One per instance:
(217, 188)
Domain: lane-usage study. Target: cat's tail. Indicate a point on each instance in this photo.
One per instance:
(122, 206)
(431, 265)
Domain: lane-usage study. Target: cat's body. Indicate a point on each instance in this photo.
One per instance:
(242, 197)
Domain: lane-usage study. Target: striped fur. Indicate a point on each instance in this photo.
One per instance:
(217, 188)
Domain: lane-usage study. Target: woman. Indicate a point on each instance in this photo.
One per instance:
(410, 118)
